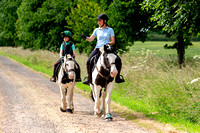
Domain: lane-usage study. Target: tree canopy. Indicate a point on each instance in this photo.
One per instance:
(8, 18)
(179, 19)
(38, 24)
(82, 20)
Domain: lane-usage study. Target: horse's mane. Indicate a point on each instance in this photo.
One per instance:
(68, 57)
(106, 48)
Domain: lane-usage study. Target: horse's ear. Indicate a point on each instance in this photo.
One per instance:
(65, 58)
(108, 48)
(69, 56)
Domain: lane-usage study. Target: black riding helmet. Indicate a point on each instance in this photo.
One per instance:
(102, 16)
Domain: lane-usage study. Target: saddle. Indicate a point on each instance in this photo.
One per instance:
(94, 60)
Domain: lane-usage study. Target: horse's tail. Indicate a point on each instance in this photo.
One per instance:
(91, 95)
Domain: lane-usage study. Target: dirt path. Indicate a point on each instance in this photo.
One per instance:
(30, 103)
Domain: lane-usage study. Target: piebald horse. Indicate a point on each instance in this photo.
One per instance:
(66, 82)
(103, 78)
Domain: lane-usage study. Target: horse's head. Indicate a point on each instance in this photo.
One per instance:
(109, 60)
(69, 66)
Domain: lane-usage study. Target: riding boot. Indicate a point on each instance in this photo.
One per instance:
(119, 78)
(53, 78)
(88, 79)
(78, 74)
(55, 72)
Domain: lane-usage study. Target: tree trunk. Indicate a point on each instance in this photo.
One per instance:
(181, 51)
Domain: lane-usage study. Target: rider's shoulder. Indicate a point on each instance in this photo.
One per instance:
(109, 28)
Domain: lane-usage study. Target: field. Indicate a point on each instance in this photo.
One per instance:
(154, 86)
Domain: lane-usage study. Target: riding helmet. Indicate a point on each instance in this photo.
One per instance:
(102, 16)
(66, 33)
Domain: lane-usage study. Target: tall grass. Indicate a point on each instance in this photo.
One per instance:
(154, 84)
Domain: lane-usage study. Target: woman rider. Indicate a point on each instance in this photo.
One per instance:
(105, 35)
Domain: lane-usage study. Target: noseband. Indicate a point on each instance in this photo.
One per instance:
(109, 66)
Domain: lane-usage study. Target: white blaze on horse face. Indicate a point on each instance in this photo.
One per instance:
(70, 66)
(111, 59)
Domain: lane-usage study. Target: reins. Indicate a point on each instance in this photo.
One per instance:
(101, 74)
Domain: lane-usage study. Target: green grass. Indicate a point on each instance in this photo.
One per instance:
(154, 86)
(157, 47)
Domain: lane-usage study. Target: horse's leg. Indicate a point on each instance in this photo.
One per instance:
(63, 99)
(103, 100)
(97, 110)
(70, 98)
(93, 92)
(108, 100)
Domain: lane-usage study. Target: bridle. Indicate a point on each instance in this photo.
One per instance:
(109, 66)
(69, 70)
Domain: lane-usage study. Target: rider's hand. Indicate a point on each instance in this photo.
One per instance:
(83, 36)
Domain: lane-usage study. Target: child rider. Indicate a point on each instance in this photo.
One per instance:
(67, 47)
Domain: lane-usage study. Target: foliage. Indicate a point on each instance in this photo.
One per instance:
(82, 20)
(178, 18)
(104, 4)
(130, 23)
(37, 24)
(8, 17)
(40, 23)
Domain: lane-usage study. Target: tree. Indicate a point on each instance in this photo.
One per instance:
(41, 22)
(82, 19)
(104, 4)
(8, 17)
(179, 19)
(129, 22)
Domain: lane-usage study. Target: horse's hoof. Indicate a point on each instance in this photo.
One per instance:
(61, 109)
(69, 111)
(108, 117)
(98, 114)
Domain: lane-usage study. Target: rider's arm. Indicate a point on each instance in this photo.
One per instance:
(112, 40)
(74, 53)
(74, 50)
(61, 53)
(91, 38)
